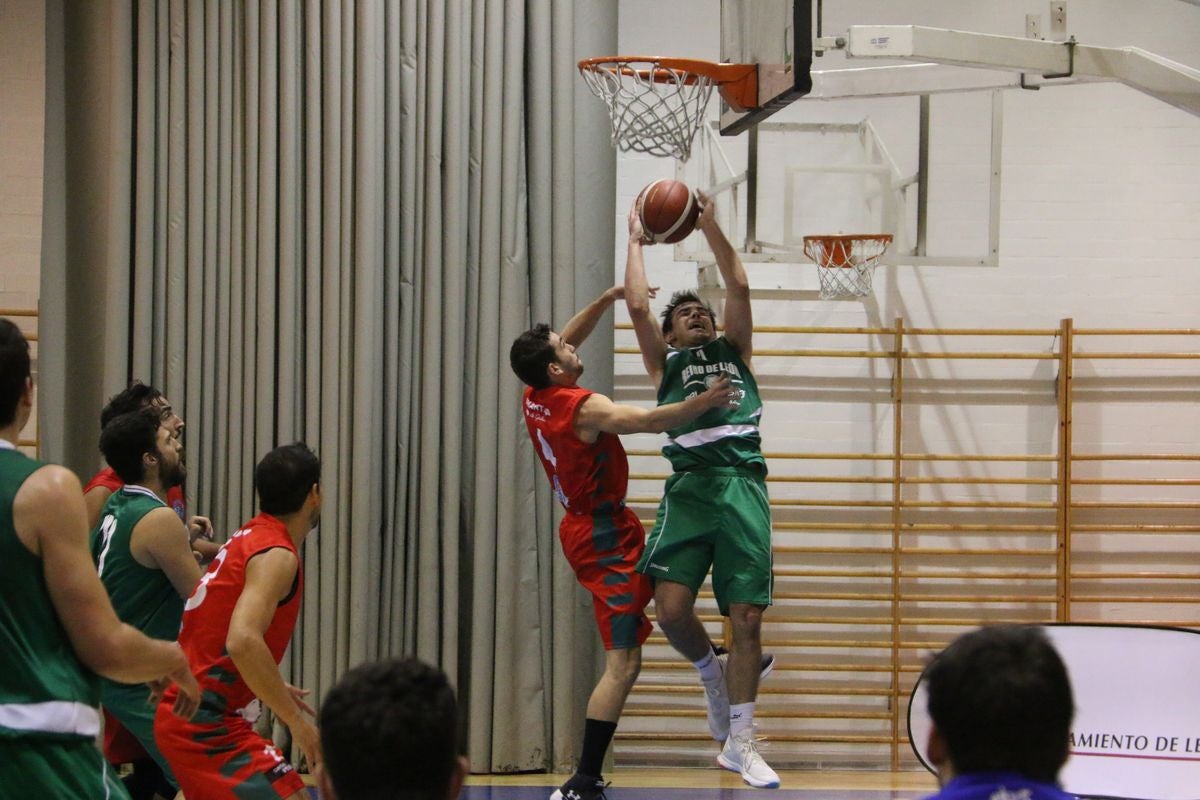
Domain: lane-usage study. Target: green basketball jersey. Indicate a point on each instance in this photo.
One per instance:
(142, 597)
(720, 437)
(44, 689)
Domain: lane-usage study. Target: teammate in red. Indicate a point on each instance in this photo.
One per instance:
(236, 626)
(574, 433)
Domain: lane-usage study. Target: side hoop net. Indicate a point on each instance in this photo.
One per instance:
(656, 104)
(846, 262)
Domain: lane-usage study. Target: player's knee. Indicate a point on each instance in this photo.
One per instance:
(671, 616)
(746, 620)
(624, 669)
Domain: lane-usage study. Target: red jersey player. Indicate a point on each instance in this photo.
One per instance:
(574, 433)
(236, 625)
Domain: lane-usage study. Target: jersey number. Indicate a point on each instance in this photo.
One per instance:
(107, 528)
(202, 588)
(552, 460)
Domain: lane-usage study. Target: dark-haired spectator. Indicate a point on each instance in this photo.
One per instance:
(390, 729)
(1001, 706)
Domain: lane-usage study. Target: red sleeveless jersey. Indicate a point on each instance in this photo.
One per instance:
(588, 478)
(109, 479)
(208, 611)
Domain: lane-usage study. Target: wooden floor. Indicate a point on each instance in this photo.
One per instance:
(715, 784)
(635, 783)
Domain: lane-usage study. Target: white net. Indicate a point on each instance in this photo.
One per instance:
(846, 263)
(653, 109)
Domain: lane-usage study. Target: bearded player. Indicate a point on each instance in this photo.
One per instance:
(574, 431)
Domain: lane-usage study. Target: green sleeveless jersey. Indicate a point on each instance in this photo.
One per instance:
(142, 597)
(720, 437)
(44, 690)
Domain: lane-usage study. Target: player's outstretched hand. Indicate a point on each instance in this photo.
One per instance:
(618, 291)
(721, 393)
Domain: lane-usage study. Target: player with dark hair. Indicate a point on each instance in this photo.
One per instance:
(574, 431)
(144, 560)
(236, 626)
(106, 481)
(719, 515)
(146, 778)
(400, 713)
(1001, 706)
(58, 630)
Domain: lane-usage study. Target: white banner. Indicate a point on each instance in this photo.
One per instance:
(1136, 733)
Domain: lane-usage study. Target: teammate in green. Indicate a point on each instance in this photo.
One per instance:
(714, 512)
(142, 553)
(58, 629)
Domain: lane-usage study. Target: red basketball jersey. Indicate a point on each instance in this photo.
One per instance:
(208, 611)
(110, 480)
(588, 478)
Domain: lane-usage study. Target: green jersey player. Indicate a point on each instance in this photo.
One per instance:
(57, 626)
(142, 552)
(714, 512)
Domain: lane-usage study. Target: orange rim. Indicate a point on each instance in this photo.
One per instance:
(838, 247)
(738, 83)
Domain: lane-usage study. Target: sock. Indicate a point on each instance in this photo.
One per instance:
(741, 717)
(710, 669)
(596, 737)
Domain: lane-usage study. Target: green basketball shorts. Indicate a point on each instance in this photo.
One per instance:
(56, 769)
(719, 517)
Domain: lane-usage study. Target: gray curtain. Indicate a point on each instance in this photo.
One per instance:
(326, 220)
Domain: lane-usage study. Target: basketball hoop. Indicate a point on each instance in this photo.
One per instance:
(846, 262)
(656, 104)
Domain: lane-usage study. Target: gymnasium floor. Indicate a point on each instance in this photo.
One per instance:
(713, 784)
(716, 784)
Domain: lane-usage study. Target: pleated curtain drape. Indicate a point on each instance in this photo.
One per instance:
(326, 221)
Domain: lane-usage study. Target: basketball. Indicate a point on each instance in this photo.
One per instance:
(668, 210)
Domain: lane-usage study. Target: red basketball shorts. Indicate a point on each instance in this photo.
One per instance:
(603, 550)
(223, 760)
(120, 746)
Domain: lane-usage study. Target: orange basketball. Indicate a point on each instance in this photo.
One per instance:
(668, 210)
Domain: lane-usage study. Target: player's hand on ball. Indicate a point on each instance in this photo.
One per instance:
(636, 234)
(708, 211)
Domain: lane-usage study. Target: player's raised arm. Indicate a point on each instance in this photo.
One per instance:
(637, 300)
(49, 513)
(738, 322)
(600, 414)
(583, 323)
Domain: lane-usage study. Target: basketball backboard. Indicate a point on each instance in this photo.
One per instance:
(777, 36)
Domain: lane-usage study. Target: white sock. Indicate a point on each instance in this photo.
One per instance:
(709, 668)
(741, 717)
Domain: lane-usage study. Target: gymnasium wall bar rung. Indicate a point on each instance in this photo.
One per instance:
(855, 622)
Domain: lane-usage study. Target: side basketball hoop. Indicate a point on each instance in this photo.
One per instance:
(656, 104)
(846, 262)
